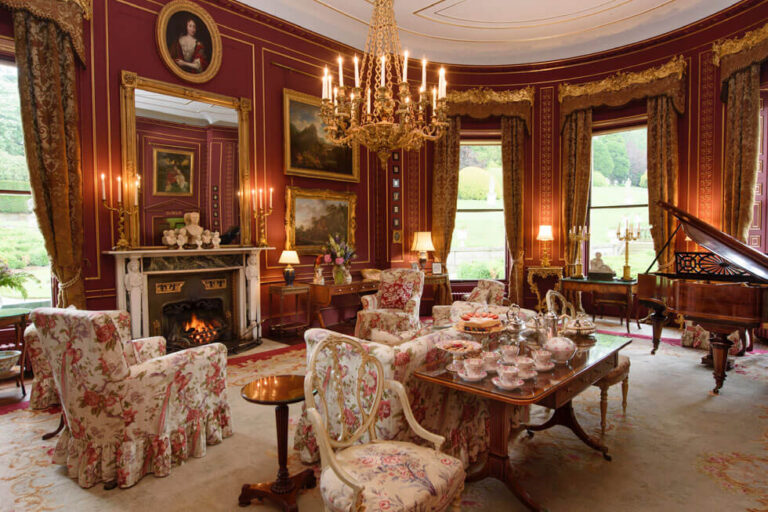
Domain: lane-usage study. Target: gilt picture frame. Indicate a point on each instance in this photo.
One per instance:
(306, 151)
(188, 41)
(312, 215)
(173, 172)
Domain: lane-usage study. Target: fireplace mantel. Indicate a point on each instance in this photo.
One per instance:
(134, 266)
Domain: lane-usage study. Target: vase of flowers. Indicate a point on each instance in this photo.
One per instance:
(14, 280)
(339, 253)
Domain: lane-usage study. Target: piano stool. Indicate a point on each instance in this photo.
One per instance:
(618, 374)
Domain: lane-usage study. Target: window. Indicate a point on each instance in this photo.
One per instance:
(479, 243)
(620, 195)
(21, 243)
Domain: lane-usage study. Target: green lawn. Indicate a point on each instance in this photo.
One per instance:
(22, 247)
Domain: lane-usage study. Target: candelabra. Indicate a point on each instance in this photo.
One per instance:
(579, 236)
(122, 242)
(261, 213)
(628, 236)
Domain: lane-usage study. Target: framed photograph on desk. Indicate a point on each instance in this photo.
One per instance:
(437, 267)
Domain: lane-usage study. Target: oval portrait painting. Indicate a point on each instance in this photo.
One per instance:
(189, 41)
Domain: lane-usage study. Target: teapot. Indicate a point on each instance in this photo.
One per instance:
(562, 349)
(579, 326)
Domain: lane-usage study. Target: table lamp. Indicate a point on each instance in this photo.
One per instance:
(422, 242)
(545, 235)
(289, 258)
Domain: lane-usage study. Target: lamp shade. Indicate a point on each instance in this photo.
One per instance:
(545, 233)
(289, 258)
(422, 241)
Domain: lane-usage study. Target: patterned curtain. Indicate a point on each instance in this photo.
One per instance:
(512, 163)
(662, 174)
(445, 190)
(47, 86)
(576, 172)
(741, 146)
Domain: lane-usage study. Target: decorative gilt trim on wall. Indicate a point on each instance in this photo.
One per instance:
(482, 102)
(547, 155)
(706, 145)
(621, 88)
(740, 52)
(67, 15)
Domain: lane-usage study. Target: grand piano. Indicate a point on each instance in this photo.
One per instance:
(724, 290)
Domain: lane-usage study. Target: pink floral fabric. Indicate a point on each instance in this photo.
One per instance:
(447, 315)
(124, 421)
(396, 476)
(43, 393)
(462, 418)
(376, 314)
(487, 291)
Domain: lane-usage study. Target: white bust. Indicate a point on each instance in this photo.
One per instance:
(597, 264)
(192, 225)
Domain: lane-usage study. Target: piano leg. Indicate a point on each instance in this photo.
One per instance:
(720, 345)
(658, 318)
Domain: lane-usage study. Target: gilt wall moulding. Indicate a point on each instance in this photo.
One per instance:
(740, 52)
(483, 102)
(622, 87)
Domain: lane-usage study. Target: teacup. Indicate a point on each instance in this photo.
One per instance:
(542, 357)
(524, 363)
(509, 352)
(490, 358)
(507, 374)
(473, 366)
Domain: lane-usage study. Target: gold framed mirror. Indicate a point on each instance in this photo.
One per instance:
(190, 152)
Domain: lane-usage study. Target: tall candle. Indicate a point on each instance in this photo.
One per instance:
(103, 188)
(341, 74)
(440, 82)
(261, 198)
(253, 199)
(136, 198)
(270, 198)
(618, 230)
(434, 98)
(325, 83)
(383, 70)
(357, 73)
(405, 66)
(424, 74)
(369, 101)
(119, 189)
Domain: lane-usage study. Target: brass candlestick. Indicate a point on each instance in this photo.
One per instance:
(578, 236)
(628, 236)
(122, 242)
(261, 214)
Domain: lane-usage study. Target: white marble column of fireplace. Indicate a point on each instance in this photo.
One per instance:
(132, 293)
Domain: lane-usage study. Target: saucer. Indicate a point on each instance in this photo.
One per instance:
(544, 367)
(499, 384)
(526, 375)
(477, 378)
(453, 367)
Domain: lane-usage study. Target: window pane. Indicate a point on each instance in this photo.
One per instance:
(21, 243)
(619, 168)
(479, 241)
(478, 246)
(604, 223)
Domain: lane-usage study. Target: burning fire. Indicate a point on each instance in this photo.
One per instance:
(200, 332)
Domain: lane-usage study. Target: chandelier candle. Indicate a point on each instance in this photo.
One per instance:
(380, 111)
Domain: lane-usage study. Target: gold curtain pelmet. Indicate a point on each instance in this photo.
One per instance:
(739, 53)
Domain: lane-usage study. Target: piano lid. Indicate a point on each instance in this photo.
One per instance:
(727, 247)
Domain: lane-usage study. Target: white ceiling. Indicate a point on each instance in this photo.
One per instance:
(181, 110)
(499, 31)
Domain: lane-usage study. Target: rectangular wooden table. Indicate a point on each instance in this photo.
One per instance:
(321, 295)
(555, 390)
(572, 289)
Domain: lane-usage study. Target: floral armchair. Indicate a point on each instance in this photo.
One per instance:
(130, 410)
(395, 307)
(488, 292)
(488, 295)
(459, 417)
(43, 394)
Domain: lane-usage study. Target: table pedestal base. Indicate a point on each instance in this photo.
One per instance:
(565, 417)
(284, 495)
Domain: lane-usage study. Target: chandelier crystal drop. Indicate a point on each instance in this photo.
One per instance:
(379, 110)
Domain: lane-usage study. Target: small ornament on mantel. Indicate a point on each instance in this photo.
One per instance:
(192, 235)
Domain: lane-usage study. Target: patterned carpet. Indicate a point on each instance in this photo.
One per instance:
(678, 448)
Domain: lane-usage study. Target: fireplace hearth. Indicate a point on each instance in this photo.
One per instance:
(190, 323)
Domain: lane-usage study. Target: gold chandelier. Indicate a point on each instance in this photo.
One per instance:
(370, 113)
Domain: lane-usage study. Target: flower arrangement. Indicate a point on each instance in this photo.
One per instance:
(14, 280)
(339, 253)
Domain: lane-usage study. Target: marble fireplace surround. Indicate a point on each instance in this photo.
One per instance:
(135, 266)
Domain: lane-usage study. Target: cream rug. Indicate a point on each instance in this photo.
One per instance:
(678, 448)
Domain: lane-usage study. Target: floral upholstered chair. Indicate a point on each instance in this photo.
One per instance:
(488, 292)
(43, 394)
(460, 417)
(359, 471)
(395, 307)
(488, 295)
(129, 414)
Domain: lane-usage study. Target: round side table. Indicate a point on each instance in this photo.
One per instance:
(280, 391)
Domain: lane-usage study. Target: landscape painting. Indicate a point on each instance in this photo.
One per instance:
(307, 151)
(313, 215)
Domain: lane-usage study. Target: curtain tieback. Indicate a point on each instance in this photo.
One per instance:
(63, 285)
